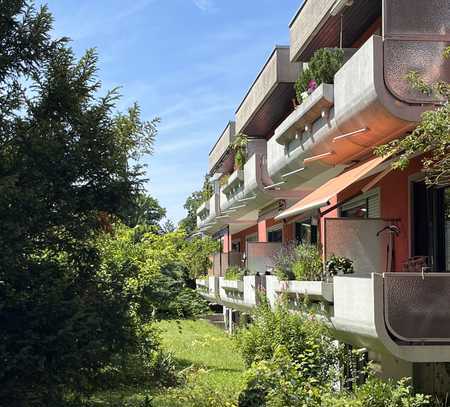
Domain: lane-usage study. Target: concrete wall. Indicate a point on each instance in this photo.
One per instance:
(306, 24)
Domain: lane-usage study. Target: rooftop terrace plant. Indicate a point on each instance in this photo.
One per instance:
(240, 151)
(321, 69)
(235, 273)
(299, 262)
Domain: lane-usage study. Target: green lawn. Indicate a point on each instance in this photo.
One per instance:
(211, 363)
(208, 352)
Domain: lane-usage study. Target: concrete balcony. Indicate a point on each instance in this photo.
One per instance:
(269, 97)
(208, 288)
(218, 156)
(315, 291)
(244, 190)
(402, 314)
(341, 123)
(317, 24)
(207, 212)
(240, 295)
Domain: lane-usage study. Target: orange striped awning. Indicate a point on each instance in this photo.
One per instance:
(322, 195)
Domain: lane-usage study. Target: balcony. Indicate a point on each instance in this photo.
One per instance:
(269, 97)
(240, 295)
(208, 288)
(317, 25)
(341, 123)
(403, 314)
(244, 190)
(207, 212)
(218, 156)
(297, 291)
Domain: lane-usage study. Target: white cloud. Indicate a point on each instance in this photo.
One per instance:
(204, 5)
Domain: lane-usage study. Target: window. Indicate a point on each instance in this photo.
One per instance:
(236, 246)
(306, 231)
(275, 235)
(364, 206)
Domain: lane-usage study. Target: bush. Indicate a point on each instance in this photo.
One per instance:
(321, 69)
(306, 340)
(376, 393)
(235, 273)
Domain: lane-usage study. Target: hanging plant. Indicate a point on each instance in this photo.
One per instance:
(240, 151)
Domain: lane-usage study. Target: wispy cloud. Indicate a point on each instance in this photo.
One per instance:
(204, 5)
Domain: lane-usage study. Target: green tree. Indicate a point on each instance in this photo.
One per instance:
(144, 210)
(64, 172)
(193, 201)
(431, 137)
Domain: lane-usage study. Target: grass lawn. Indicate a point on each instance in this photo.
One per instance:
(211, 353)
(208, 356)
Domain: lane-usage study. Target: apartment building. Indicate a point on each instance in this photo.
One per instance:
(311, 176)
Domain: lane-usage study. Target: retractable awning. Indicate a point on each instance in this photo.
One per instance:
(322, 195)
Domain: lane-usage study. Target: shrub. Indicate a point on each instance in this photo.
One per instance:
(235, 273)
(240, 150)
(306, 340)
(338, 265)
(376, 393)
(302, 262)
(321, 68)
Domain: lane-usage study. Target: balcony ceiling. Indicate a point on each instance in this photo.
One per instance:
(272, 112)
(357, 19)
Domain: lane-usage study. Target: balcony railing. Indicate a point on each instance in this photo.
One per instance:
(260, 256)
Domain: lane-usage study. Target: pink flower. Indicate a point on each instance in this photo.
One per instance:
(312, 86)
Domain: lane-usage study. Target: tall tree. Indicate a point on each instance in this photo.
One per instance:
(144, 210)
(189, 223)
(64, 167)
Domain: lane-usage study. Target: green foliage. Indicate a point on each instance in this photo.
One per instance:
(306, 340)
(208, 189)
(431, 137)
(321, 69)
(338, 265)
(235, 273)
(144, 210)
(196, 255)
(376, 393)
(239, 146)
(302, 263)
(65, 171)
(193, 201)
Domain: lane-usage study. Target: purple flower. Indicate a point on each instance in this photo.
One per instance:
(312, 86)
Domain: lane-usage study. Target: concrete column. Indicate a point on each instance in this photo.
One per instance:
(230, 321)
(393, 368)
(225, 317)
(262, 231)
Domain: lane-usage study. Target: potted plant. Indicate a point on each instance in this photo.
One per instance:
(336, 265)
(240, 151)
(299, 271)
(321, 69)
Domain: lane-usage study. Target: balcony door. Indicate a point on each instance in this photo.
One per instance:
(431, 225)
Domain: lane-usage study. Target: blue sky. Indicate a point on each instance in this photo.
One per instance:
(189, 62)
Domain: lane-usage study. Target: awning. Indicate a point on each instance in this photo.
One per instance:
(322, 195)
